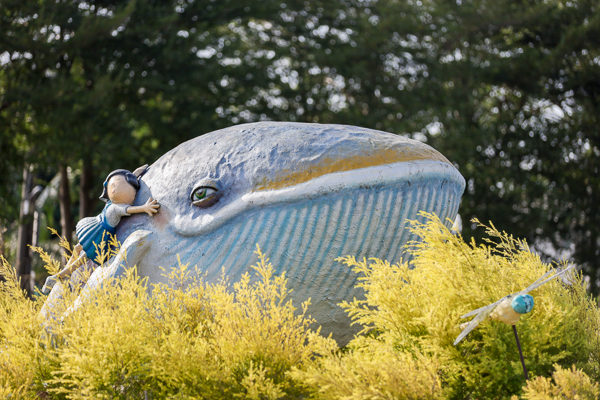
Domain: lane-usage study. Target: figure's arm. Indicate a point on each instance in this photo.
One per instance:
(151, 207)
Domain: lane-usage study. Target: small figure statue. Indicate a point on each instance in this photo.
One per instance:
(120, 189)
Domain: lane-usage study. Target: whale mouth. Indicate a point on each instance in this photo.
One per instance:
(361, 213)
(370, 177)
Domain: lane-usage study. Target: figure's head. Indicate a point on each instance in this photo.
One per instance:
(120, 187)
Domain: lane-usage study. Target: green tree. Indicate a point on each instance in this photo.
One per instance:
(99, 85)
(506, 90)
(518, 110)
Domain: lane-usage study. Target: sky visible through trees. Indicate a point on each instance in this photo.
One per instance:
(506, 90)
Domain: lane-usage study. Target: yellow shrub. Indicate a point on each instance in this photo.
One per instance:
(419, 306)
(569, 384)
(372, 369)
(188, 339)
(21, 342)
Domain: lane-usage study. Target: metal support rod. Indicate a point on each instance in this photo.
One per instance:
(520, 352)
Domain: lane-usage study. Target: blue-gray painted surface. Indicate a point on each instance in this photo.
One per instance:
(262, 171)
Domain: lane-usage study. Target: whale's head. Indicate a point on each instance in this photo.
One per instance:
(306, 193)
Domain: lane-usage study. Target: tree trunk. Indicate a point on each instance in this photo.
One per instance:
(25, 233)
(2, 244)
(64, 197)
(86, 202)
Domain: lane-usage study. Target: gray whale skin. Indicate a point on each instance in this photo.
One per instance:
(306, 193)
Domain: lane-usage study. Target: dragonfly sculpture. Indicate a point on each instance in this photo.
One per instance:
(508, 309)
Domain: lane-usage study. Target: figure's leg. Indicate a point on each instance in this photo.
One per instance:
(73, 265)
(52, 307)
(77, 258)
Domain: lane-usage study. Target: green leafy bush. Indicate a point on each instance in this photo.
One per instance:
(190, 339)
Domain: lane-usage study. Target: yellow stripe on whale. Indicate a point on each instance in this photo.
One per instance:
(372, 157)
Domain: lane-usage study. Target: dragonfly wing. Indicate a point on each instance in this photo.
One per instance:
(540, 282)
(537, 282)
(474, 322)
(471, 313)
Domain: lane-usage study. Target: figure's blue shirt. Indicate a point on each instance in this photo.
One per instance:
(92, 231)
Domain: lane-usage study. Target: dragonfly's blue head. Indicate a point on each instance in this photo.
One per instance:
(522, 303)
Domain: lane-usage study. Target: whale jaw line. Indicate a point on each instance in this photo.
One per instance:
(365, 178)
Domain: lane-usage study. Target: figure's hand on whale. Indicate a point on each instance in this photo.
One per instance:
(151, 207)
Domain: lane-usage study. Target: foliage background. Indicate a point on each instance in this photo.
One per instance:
(506, 90)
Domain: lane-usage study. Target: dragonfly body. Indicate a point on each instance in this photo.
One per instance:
(508, 310)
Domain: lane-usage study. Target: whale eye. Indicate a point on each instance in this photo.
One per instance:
(205, 196)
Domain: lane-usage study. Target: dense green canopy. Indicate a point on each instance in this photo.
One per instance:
(506, 90)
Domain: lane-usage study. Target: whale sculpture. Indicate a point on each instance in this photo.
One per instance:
(306, 193)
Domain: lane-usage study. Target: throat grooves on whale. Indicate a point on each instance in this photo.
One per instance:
(313, 233)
